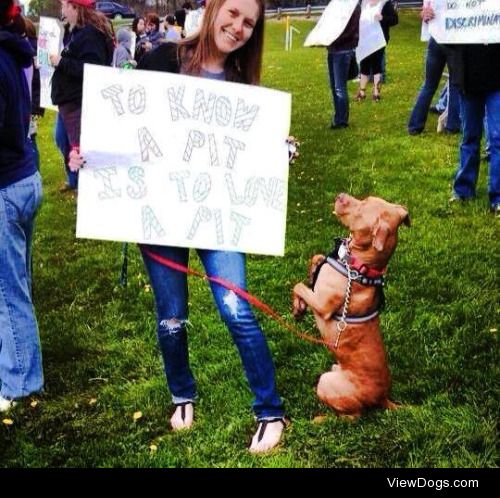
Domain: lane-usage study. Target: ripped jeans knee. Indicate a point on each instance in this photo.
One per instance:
(171, 326)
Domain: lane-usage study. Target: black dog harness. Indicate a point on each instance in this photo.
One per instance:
(347, 265)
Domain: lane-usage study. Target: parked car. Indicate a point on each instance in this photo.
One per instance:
(114, 10)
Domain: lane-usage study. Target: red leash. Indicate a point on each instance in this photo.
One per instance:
(240, 292)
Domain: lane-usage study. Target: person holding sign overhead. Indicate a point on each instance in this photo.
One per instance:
(228, 47)
(340, 55)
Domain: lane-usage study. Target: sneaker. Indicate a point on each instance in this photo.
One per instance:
(338, 126)
(495, 210)
(6, 404)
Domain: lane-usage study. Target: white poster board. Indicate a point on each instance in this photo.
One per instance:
(50, 41)
(332, 23)
(371, 36)
(466, 21)
(183, 161)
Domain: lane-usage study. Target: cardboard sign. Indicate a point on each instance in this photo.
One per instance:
(183, 161)
(371, 36)
(332, 23)
(466, 21)
(50, 41)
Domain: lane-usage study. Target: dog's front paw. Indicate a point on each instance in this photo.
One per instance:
(299, 307)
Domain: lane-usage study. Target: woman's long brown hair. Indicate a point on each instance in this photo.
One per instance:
(242, 65)
(97, 19)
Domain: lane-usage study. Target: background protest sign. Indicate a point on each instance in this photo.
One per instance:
(331, 23)
(371, 36)
(50, 40)
(466, 21)
(183, 161)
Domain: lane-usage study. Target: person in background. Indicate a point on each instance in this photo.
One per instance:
(475, 70)
(373, 63)
(20, 197)
(33, 76)
(340, 53)
(194, 18)
(180, 19)
(436, 58)
(122, 56)
(171, 33)
(154, 35)
(89, 40)
(139, 28)
(236, 58)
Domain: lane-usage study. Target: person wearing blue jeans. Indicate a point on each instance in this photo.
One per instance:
(475, 109)
(435, 61)
(62, 142)
(339, 56)
(171, 292)
(235, 58)
(20, 196)
(338, 71)
(475, 70)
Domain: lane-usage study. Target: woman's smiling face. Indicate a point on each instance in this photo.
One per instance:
(234, 24)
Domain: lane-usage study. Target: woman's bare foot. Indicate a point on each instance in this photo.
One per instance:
(268, 435)
(182, 417)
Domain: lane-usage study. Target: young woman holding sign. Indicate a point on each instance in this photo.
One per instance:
(228, 47)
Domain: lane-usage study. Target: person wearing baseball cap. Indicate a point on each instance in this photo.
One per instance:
(89, 41)
(20, 196)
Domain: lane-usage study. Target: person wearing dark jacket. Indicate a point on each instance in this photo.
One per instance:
(20, 196)
(89, 41)
(475, 70)
(340, 54)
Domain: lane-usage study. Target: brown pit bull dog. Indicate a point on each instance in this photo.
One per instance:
(346, 295)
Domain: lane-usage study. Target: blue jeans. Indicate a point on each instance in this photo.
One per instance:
(62, 142)
(474, 109)
(171, 295)
(338, 70)
(20, 355)
(435, 61)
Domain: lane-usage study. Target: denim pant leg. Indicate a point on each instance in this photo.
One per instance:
(20, 355)
(171, 296)
(338, 70)
(453, 119)
(493, 137)
(62, 141)
(237, 314)
(435, 61)
(472, 109)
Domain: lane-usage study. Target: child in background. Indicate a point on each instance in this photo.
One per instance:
(122, 56)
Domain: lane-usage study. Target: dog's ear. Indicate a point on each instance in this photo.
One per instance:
(403, 214)
(380, 232)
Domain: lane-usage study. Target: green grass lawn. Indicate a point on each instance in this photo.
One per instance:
(440, 324)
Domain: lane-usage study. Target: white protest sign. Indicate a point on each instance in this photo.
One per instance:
(183, 161)
(371, 36)
(50, 41)
(466, 21)
(332, 23)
